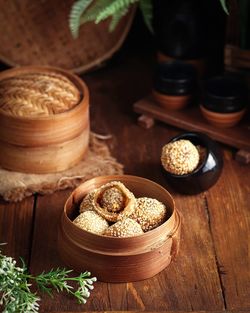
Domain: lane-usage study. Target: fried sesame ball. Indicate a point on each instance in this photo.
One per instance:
(149, 213)
(124, 228)
(87, 202)
(112, 199)
(180, 157)
(92, 222)
(124, 211)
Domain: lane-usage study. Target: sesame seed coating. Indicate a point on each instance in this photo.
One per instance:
(112, 199)
(149, 213)
(129, 202)
(87, 202)
(124, 228)
(92, 222)
(180, 157)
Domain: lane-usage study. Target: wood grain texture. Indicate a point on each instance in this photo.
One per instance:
(229, 214)
(243, 157)
(164, 311)
(236, 58)
(195, 271)
(45, 254)
(47, 159)
(191, 119)
(40, 35)
(191, 281)
(16, 226)
(213, 222)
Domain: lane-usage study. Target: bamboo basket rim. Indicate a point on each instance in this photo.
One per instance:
(77, 81)
(144, 250)
(84, 68)
(147, 234)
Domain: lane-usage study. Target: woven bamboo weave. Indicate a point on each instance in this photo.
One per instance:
(37, 94)
(37, 33)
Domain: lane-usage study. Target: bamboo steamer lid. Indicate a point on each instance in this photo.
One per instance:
(37, 33)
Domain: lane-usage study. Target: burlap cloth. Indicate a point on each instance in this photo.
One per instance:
(15, 186)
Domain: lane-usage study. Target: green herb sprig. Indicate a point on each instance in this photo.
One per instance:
(83, 11)
(15, 283)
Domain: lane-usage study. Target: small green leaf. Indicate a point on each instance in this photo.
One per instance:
(116, 19)
(92, 11)
(146, 7)
(114, 7)
(76, 12)
(224, 6)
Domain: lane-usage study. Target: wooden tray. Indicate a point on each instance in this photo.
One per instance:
(236, 58)
(191, 119)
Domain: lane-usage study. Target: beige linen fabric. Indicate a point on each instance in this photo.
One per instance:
(16, 186)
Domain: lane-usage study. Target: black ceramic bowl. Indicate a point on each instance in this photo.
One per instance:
(207, 172)
(224, 95)
(174, 78)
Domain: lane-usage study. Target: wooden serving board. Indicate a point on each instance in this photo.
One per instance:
(191, 119)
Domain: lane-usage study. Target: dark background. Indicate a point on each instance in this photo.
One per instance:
(211, 35)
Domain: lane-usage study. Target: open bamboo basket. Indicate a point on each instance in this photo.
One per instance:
(114, 259)
(44, 144)
(37, 33)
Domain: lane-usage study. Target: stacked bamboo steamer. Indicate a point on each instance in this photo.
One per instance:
(44, 119)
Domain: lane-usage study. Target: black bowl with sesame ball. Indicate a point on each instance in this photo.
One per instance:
(208, 170)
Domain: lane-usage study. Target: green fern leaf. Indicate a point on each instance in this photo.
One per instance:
(113, 8)
(116, 19)
(146, 7)
(93, 10)
(76, 12)
(224, 6)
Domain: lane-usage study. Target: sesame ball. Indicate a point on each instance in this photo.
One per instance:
(87, 202)
(124, 228)
(113, 209)
(92, 222)
(180, 157)
(149, 213)
(112, 199)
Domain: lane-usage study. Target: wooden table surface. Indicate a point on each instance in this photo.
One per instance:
(212, 270)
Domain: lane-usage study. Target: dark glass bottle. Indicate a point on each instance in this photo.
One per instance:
(192, 31)
(180, 29)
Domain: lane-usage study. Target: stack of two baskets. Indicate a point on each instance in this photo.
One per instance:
(44, 119)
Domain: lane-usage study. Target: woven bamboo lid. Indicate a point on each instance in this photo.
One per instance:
(37, 33)
(37, 94)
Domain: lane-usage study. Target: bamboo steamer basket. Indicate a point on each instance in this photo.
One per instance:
(37, 33)
(45, 144)
(114, 259)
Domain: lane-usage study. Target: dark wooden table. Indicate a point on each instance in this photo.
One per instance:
(212, 270)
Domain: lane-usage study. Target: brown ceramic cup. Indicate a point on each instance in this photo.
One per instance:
(224, 101)
(113, 259)
(222, 120)
(174, 84)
